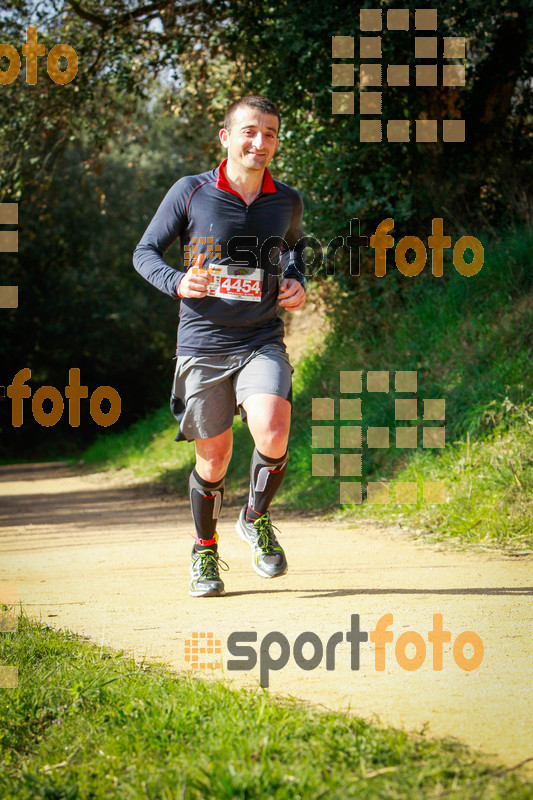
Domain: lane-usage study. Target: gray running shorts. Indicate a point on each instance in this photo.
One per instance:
(208, 390)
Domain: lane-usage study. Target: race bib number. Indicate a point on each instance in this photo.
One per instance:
(233, 282)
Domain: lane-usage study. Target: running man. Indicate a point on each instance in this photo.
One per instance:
(232, 221)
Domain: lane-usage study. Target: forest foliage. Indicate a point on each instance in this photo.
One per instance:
(88, 163)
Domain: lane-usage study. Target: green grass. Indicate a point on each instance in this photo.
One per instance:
(489, 487)
(470, 341)
(86, 722)
(148, 450)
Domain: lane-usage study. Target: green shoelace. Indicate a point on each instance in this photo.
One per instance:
(210, 564)
(266, 539)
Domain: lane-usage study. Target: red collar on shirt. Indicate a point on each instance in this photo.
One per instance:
(222, 181)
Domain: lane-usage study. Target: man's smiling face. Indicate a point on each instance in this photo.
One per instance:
(252, 139)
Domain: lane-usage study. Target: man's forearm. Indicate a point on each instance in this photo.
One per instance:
(293, 266)
(151, 265)
(167, 224)
(293, 254)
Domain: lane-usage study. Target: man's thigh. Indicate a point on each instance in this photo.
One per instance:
(205, 392)
(213, 455)
(264, 390)
(268, 372)
(267, 415)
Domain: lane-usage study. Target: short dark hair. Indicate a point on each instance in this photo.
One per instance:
(262, 104)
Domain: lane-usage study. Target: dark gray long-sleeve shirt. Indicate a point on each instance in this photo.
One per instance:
(211, 218)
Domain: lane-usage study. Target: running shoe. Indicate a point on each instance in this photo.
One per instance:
(205, 578)
(268, 558)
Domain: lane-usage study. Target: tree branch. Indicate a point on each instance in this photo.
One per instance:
(146, 11)
(141, 12)
(81, 12)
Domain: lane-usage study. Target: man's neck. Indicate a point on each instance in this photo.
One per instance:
(247, 183)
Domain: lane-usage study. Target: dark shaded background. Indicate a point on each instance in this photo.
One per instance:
(89, 162)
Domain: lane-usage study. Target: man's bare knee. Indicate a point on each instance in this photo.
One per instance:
(212, 470)
(212, 459)
(272, 442)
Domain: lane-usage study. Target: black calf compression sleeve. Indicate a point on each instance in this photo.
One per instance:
(206, 501)
(266, 476)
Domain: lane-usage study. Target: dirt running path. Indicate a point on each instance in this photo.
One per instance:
(112, 564)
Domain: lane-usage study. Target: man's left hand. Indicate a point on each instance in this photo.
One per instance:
(292, 294)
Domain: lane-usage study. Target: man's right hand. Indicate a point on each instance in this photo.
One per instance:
(196, 280)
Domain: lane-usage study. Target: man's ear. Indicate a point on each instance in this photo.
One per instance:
(223, 136)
